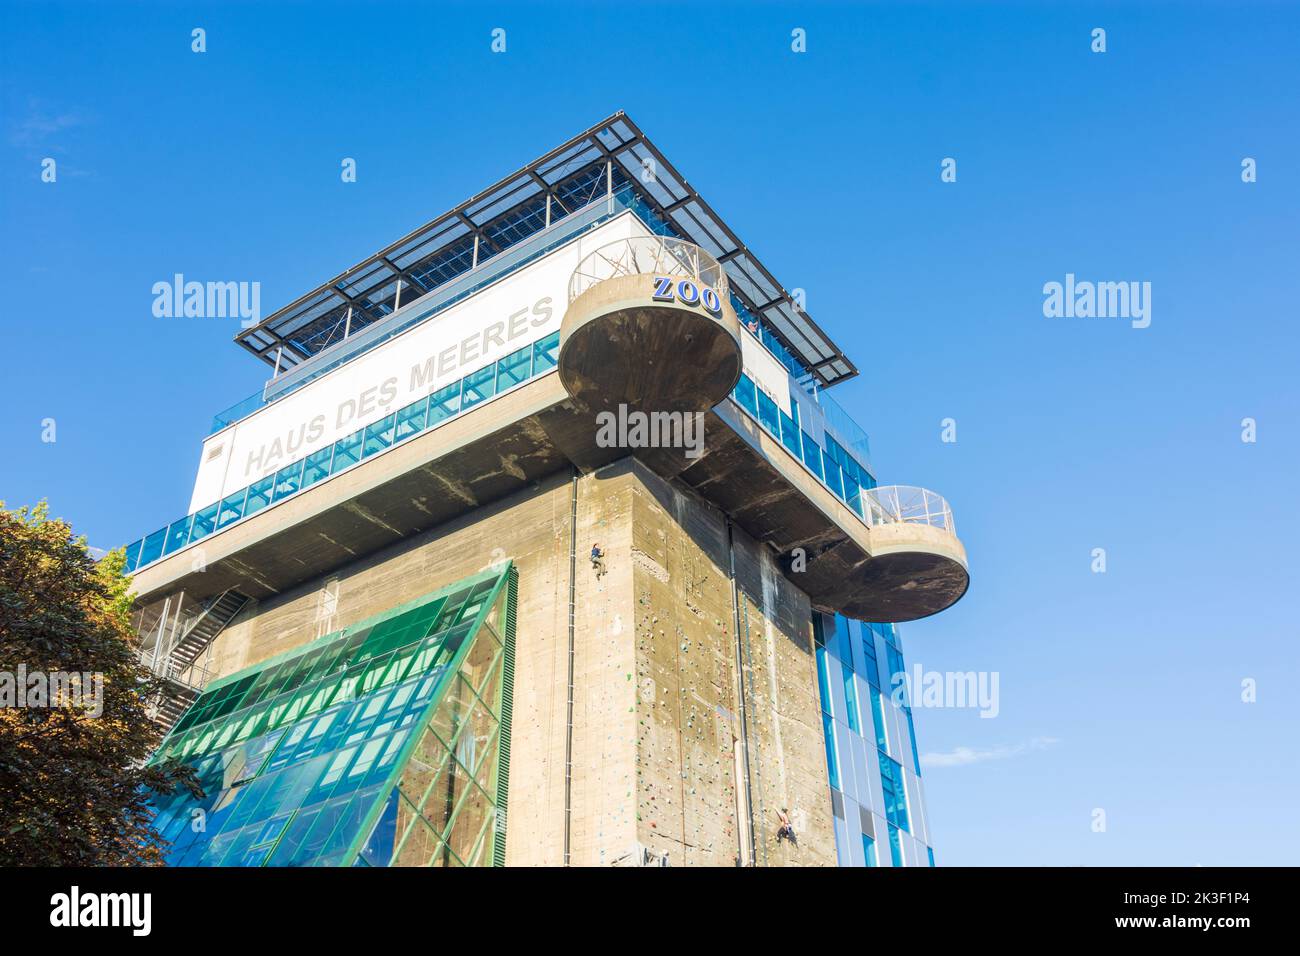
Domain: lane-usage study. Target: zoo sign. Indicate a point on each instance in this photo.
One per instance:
(687, 292)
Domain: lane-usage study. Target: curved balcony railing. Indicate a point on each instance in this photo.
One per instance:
(902, 504)
(649, 255)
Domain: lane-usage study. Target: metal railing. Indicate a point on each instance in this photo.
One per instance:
(649, 255)
(903, 504)
(194, 675)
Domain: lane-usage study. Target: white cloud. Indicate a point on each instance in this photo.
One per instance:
(964, 756)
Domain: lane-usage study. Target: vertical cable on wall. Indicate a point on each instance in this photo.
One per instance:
(568, 722)
(742, 786)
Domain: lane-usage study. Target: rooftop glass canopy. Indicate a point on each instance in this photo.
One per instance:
(610, 156)
(383, 744)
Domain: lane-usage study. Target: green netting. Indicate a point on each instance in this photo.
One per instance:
(375, 745)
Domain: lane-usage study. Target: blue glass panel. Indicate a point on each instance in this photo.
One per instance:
(133, 555)
(822, 680)
(479, 386)
(287, 480)
(853, 495)
(790, 434)
(930, 853)
(746, 395)
(897, 673)
(317, 466)
(153, 546)
(410, 420)
(812, 455)
(231, 508)
(878, 715)
(546, 353)
(347, 451)
(832, 765)
(259, 495)
(205, 522)
(444, 403)
(850, 698)
(178, 535)
(869, 850)
(378, 436)
(895, 846)
(768, 413)
(834, 479)
(911, 730)
(514, 368)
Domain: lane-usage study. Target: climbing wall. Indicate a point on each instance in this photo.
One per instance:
(688, 700)
(603, 824)
(787, 765)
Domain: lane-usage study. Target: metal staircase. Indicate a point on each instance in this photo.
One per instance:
(179, 660)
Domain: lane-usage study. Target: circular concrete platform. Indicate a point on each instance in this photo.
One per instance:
(652, 343)
(914, 571)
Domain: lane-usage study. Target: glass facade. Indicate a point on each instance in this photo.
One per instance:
(383, 744)
(871, 754)
(833, 466)
(514, 369)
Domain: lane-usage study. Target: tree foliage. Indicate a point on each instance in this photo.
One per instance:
(74, 787)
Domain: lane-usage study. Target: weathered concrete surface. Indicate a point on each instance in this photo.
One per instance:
(689, 707)
(656, 705)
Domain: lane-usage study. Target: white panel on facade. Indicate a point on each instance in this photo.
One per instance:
(513, 312)
(767, 373)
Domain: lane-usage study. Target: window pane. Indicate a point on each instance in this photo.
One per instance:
(790, 434)
(812, 455)
(178, 534)
(768, 413)
(869, 850)
(479, 385)
(546, 353)
(834, 478)
(514, 368)
(153, 546)
(259, 495)
(205, 522)
(828, 732)
(378, 436)
(317, 466)
(444, 403)
(745, 395)
(410, 420)
(347, 451)
(288, 480)
(232, 508)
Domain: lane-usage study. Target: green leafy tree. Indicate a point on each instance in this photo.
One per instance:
(74, 785)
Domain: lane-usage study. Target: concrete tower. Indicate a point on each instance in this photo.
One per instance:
(538, 547)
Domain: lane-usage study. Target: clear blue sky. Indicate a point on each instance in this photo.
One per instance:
(1118, 690)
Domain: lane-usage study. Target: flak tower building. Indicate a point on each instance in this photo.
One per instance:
(545, 543)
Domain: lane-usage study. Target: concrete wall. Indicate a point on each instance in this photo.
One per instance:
(656, 703)
(690, 715)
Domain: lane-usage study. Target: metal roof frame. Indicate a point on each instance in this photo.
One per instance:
(612, 154)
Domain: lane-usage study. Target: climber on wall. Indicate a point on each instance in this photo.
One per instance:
(786, 831)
